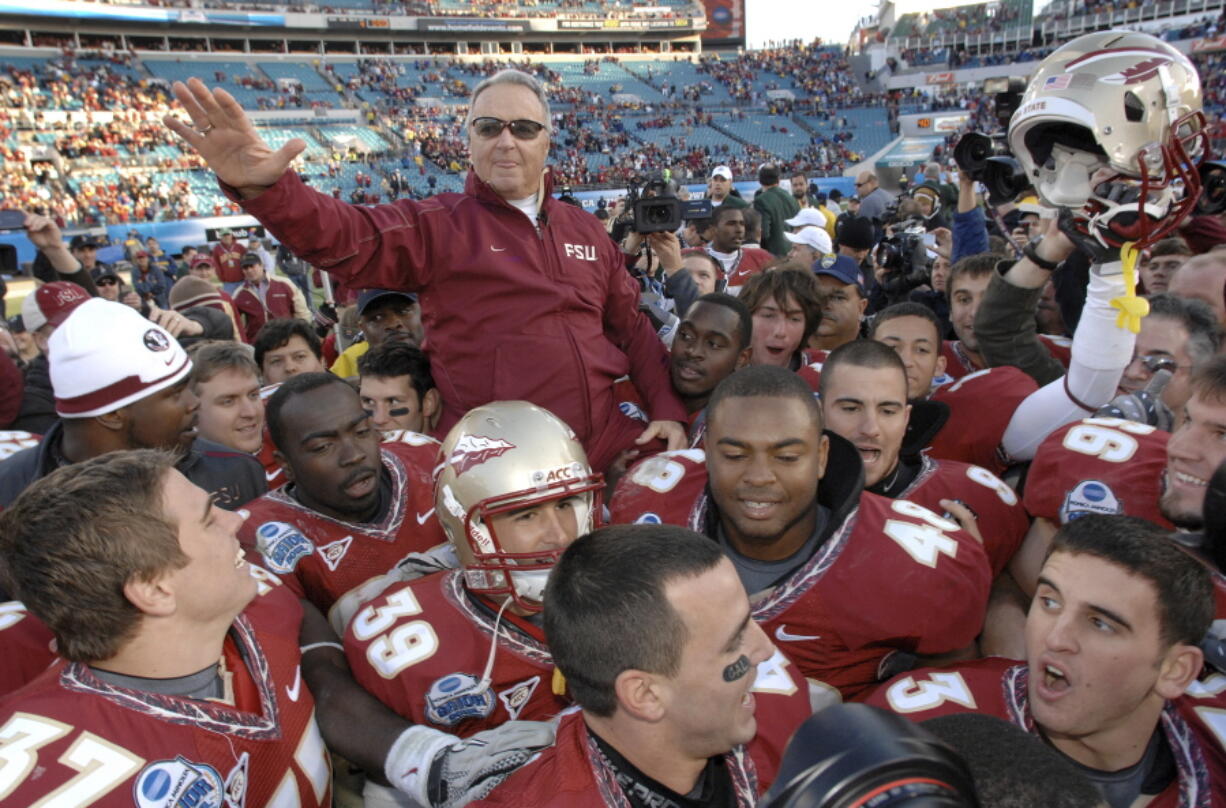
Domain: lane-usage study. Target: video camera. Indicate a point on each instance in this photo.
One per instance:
(985, 158)
(652, 206)
(903, 255)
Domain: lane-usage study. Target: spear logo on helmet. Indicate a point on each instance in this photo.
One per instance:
(473, 450)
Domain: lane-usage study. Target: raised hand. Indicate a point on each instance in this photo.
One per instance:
(43, 232)
(223, 135)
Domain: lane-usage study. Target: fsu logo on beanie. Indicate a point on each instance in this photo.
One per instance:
(156, 341)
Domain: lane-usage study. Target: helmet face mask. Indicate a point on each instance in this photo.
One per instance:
(1125, 101)
(499, 459)
(494, 572)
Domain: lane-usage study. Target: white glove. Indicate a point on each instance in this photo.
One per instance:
(444, 771)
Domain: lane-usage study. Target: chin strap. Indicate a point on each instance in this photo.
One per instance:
(1131, 307)
(486, 678)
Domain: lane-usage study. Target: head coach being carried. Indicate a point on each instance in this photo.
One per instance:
(522, 297)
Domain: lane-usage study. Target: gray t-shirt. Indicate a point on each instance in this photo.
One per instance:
(758, 575)
(203, 684)
(874, 205)
(1150, 775)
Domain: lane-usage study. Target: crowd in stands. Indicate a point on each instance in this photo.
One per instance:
(569, 9)
(1069, 9)
(108, 173)
(128, 132)
(960, 467)
(1206, 27)
(65, 82)
(976, 19)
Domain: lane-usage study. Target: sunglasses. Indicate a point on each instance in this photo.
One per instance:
(105, 282)
(521, 129)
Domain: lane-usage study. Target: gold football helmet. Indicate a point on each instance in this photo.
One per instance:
(1122, 101)
(504, 457)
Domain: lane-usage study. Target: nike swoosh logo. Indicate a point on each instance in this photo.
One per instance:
(497, 249)
(271, 475)
(422, 517)
(292, 692)
(782, 635)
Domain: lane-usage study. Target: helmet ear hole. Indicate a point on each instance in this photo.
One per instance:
(1040, 140)
(1134, 108)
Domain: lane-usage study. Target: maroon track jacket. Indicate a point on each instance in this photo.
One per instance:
(509, 313)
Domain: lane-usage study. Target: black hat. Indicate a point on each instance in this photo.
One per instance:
(371, 295)
(857, 233)
(82, 240)
(103, 271)
(251, 258)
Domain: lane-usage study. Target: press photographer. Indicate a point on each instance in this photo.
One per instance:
(646, 229)
(904, 257)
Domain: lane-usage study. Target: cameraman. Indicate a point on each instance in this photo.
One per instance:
(667, 287)
(902, 257)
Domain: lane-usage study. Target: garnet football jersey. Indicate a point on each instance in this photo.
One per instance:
(72, 739)
(1098, 465)
(274, 475)
(422, 648)
(823, 616)
(574, 772)
(1001, 519)
(749, 262)
(26, 644)
(811, 362)
(981, 405)
(321, 558)
(567, 774)
(958, 363)
(1060, 348)
(1194, 724)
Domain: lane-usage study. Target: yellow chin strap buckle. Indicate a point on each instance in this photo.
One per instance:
(559, 683)
(1132, 308)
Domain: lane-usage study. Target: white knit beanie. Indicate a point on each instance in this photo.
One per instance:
(106, 356)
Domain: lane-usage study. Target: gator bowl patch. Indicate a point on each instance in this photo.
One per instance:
(1089, 497)
(458, 696)
(178, 783)
(282, 546)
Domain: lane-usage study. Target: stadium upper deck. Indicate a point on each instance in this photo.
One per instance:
(79, 131)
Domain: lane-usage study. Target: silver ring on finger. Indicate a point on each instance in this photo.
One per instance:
(205, 130)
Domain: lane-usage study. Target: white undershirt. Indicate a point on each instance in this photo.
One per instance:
(1101, 352)
(729, 261)
(527, 205)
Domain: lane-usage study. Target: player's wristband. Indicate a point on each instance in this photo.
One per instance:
(1032, 254)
